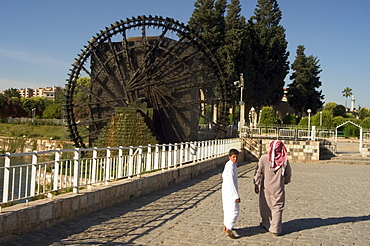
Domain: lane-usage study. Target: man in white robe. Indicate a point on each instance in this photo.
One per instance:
(230, 196)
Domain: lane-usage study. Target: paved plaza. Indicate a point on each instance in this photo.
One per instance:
(326, 204)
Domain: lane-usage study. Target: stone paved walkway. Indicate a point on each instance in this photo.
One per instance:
(325, 205)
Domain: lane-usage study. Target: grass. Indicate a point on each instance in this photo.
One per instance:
(34, 131)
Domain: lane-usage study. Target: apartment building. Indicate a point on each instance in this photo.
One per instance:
(48, 92)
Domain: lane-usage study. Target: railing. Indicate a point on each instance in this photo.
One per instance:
(287, 133)
(72, 169)
(36, 121)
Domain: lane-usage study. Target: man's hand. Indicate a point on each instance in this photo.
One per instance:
(256, 189)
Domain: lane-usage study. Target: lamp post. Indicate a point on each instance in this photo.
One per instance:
(259, 117)
(33, 112)
(320, 118)
(309, 119)
(240, 84)
(252, 117)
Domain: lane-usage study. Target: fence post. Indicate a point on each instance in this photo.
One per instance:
(130, 162)
(120, 162)
(313, 133)
(156, 157)
(209, 145)
(94, 165)
(170, 156)
(175, 155)
(56, 169)
(149, 158)
(187, 152)
(203, 153)
(76, 171)
(163, 153)
(108, 166)
(6, 178)
(139, 161)
(33, 174)
(181, 155)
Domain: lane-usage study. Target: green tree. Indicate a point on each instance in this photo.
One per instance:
(232, 52)
(3, 106)
(327, 119)
(347, 92)
(338, 120)
(290, 119)
(11, 92)
(363, 113)
(34, 106)
(53, 111)
(207, 19)
(339, 110)
(303, 122)
(14, 107)
(302, 92)
(365, 123)
(268, 116)
(330, 106)
(269, 57)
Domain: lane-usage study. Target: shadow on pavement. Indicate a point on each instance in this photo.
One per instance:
(301, 224)
(131, 219)
(250, 231)
(127, 217)
(309, 223)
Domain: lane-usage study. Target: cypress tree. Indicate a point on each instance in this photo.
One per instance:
(269, 64)
(207, 19)
(302, 92)
(232, 52)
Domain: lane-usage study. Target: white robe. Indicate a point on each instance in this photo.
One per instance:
(230, 194)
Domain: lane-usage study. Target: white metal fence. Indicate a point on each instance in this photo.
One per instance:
(287, 133)
(295, 133)
(71, 169)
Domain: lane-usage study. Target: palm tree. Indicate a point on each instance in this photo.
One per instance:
(347, 92)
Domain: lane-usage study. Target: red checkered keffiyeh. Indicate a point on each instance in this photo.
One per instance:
(277, 155)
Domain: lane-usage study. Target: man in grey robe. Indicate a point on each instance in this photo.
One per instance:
(272, 173)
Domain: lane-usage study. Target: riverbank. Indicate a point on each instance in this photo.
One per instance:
(23, 144)
(18, 138)
(34, 131)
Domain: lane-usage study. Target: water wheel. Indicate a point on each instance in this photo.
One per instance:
(153, 60)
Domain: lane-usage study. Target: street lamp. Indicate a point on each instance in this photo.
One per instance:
(240, 84)
(33, 112)
(309, 118)
(252, 117)
(259, 117)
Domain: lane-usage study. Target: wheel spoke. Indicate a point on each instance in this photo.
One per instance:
(122, 86)
(162, 59)
(145, 65)
(103, 86)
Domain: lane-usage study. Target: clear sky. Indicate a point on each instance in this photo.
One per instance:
(40, 39)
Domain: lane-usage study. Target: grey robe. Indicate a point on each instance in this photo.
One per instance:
(272, 193)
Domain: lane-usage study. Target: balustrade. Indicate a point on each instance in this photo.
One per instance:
(73, 169)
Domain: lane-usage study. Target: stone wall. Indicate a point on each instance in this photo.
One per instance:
(365, 151)
(298, 151)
